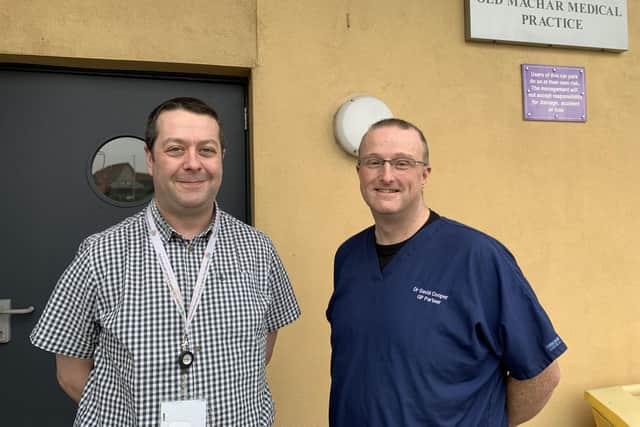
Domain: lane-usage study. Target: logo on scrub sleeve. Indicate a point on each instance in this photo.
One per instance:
(429, 296)
(557, 342)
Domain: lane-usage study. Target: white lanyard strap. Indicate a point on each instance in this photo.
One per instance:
(170, 276)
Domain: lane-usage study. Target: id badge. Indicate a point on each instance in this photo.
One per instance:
(183, 413)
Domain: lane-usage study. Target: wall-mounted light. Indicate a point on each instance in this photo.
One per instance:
(354, 117)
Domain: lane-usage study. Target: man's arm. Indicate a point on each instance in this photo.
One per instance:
(271, 343)
(72, 374)
(526, 398)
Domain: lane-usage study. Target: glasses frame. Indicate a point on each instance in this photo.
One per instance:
(392, 162)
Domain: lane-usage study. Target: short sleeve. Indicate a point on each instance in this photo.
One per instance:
(67, 324)
(525, 335)
(284, 307)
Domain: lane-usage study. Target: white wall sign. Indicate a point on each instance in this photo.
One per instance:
(599, 24)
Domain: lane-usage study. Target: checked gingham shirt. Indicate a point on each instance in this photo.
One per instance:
(112, 304)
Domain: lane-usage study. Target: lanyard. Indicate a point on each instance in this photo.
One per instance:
(170, 275)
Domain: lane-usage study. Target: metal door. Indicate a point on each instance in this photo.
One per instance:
(52, 122)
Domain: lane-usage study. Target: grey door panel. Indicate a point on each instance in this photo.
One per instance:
(51, 124)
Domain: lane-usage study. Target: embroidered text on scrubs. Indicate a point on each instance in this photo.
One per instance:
(427, 295)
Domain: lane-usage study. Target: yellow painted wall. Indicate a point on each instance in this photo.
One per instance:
(220, 32)
(562, 196)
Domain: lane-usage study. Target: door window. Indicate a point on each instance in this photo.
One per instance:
(119, 174)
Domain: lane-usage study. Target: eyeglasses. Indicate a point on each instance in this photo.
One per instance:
(400, 164)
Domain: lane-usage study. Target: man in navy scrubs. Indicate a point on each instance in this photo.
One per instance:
(433, 323)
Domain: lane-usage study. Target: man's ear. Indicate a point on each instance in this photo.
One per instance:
(149, 155)
(426, 171)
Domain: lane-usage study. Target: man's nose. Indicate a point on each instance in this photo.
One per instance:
(191, 159)
(387, 172)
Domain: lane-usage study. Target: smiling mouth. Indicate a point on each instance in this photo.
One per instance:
(386, 190)
(191, 179)
(190, 184)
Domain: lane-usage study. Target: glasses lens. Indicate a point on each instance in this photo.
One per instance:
(402, 164)
(373, 162)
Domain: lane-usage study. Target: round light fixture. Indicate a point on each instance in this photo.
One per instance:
(354, 117)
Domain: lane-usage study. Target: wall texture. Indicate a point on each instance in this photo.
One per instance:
(562, 196)
(221, 32)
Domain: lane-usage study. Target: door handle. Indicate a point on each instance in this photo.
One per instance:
(5, 318)
(18, 310)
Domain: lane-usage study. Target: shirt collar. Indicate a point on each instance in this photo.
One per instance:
(167, 231)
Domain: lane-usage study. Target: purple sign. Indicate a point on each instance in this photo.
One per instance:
(554, 93)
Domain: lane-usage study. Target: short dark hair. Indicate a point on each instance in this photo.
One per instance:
(402, 124)
(193, 105)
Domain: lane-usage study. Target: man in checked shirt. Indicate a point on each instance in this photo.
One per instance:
(172, 314)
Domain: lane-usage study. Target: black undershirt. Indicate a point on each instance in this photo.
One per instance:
(387, 252)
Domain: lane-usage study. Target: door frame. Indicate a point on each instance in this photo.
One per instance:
(166, 75)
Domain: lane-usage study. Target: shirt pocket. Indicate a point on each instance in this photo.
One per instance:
(240, 302)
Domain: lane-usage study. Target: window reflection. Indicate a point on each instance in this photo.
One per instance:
(119, 171)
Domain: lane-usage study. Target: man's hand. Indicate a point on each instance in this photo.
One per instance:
(72, 374)
(526, 398)
(271, 343)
